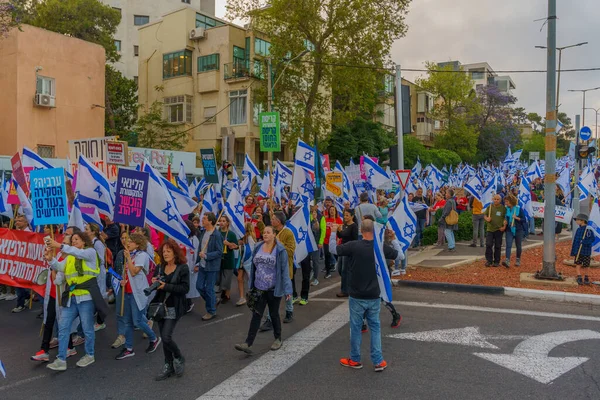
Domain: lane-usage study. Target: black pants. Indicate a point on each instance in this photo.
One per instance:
(267, 299)
(166, 327)
(493, 246)
(328, 265)
(306, 270)
(49, 325)
(294, 293)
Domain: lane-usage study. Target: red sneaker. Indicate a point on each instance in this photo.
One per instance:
(381, 366)
(41, 356)
(346, 362)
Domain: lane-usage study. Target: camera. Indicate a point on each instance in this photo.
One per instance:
(148, 291)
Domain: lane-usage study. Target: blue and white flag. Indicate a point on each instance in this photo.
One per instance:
(475, 187)
(404, 223)
(282, 174)
(200, 187)
(416, 170)
(25, 203)
(594, 226)
(182, 179)
(564, 180)
(416, 207)
(345, 181)
(299, 224)
(161, 212)
(184, 203)
(265, 187)
(76, 217)
(383, 275)
(234, 209)
(587, 184)
(376, 176)
(525, 199)
(94, 189)
(249, 171)
(534, 171)
(2, 369)
(5, 208)
(115, 280)
(488, 195)
(559, 126)
(305, 156)
(32, 160)
(571, 150)
(210, 202)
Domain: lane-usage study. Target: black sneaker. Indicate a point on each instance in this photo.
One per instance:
(586, 280)
(505, 264)
(178, 366)
(125, 353)
(472, 245)
(152, 346)
(495, 265)
(166, 372)
(266, 326)
(289, 317)
(488, 264)
(396, 319)
(579, 280)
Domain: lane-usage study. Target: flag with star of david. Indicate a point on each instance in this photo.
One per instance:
(383, 274)
(587, 184)
(93, 188)
(525, 199)
(234, 209)
(305, 156)
(299, 224)
(32, 160)
(181, 179)
(249, 171)
(594, 226)
(376, 176)
(303, 185)
(475, 187)
(404, 223)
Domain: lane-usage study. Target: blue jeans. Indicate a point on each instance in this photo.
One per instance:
(518, 238)
(135, 317)
(206, 286)
(85, 310)
(121, 326)
(420, 228)
(22, 296)
(449, 233)
(369, 309)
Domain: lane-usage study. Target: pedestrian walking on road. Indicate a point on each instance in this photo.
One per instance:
(582, 247)
(208, 263)
(269, 282)
(495, 216)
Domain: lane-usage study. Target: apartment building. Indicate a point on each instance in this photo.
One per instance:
(137, 13)
(207, 69)
(50, 93)
(482, 75)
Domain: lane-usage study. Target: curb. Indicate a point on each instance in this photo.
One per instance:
(552, 295)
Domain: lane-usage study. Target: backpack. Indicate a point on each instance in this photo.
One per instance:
(452, 217)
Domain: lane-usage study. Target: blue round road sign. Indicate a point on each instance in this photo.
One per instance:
(585, 133)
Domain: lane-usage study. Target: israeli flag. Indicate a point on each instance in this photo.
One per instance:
(32, 160)
(475, 187)
(265, 186)
(534, 171)
(234, 209)
(5, 208)
(559, 126)
(184, 203)
(564, 180)
(115, 280)
(517, 155)
(2, 369)
(305, 156)
(383, 275)
(192, 188)
(525, 199)
(200, 187)
(182, 179)
(416, 207)
(299, 224)
(93, 189)
(416, 170)
(282, 174)
(404, 223)
(488, 195)
(210, 202)
(376, 176)
(76, 217)
(25, 203)
(345, 181)
(587, 184)
(161, 212)
(594, 226)
(249, 171)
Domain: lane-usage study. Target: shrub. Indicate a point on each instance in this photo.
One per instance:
(464, 232)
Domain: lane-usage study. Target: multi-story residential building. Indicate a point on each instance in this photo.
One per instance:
(136, 13)
(50, 92)
(482, 75)
(207, 69)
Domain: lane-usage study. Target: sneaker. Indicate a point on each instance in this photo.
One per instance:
(243, 347)
(166, 372)
(586, 280)
(364, 329)
(99, 327)
(396, 273)
(152, 346)
(402, 272)
(381, 366)
(341, 294)
(303, 302)
(10, 296)
(579, 280)
(111, 299)
(54, 343)
(85, 361)
(3, 296)
(289, 317)
(315, 282)
(396, 319)
(119, 341)
(57, 365)
(266, 326)
(472, 245)
(190, 308)
(327, 276)
(518, 262)
(40, 356)
(482, 245)
(18, 309)
(71, 352)
(178, 366)
(276, 344)
(488, 264)
(346, 362)
(295, 300)
(78, 340)
(240, 302)
(452, 250)
(495, 265)
(125, 353)
(505, 264)
(208, 316)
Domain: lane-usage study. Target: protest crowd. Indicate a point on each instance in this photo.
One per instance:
(109, 253)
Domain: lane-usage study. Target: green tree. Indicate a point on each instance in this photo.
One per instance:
(441, 157)
(537, 143)
(413, 148)
(88, 20)
(459, 137)
(121, 105)
(336, 33)
(11, 15)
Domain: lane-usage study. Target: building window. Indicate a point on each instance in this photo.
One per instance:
(202, 21)
(178, 109)
(208, 63)
(136, 50)
(135, 80)
(477, 74)
(210, 115)
(239, 54)
(240, 158)
(258, 70)
(45, 151)
(177, 64)
(45, 85)
(185, 1)
(238, 107)
(261, 47)
(140, 19)
(389, 83)
(118, 45)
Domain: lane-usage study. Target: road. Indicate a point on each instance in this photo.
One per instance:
(470, 363)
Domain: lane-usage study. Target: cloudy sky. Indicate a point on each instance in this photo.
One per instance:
(503, 34)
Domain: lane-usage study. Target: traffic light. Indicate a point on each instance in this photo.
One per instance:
(228, 169)
(393, 154)
(583, 151)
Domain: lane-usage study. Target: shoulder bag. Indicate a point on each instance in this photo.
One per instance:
(158, 311)
(452, 217)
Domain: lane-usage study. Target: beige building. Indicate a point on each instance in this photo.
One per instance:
(482, 75)
(208, 69)
(136, 13)
(50, 92)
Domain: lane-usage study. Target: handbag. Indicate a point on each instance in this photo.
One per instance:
(252, 297)
(452, 217)
(158, 311)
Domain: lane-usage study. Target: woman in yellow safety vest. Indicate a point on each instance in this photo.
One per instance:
(80, 268)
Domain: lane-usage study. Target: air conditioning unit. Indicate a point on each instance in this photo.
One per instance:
(197, 34)
(45, 100)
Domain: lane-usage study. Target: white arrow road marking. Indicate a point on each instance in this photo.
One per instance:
(530, 357)
(468, 336)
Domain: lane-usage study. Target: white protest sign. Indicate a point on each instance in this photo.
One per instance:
(563, 214)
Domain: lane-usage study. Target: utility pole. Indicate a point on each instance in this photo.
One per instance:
(576, 202)
(269, 106)
(549, 259)
(596, 110)
(584, 91)
(399, 128)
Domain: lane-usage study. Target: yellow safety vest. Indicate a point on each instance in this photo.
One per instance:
(73, 278)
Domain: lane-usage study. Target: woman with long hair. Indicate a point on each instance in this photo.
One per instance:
(516, 226)
(174, 277)
(136, 266)
(228, 261)
(332, 218)
(258, 221)
(347, 232)
(93, 231)
(269, 281)
(247, 244)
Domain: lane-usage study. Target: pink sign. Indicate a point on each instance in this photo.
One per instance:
(363, 176)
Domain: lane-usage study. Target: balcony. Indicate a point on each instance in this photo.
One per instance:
(243, 69)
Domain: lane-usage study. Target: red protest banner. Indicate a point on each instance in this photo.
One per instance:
(22, 259)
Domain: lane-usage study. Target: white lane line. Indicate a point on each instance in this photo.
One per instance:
(217, 321)
(19, 383)
(250, 380)
(322, 290)
(497, 310)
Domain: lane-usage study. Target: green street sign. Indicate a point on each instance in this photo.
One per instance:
(270, 139)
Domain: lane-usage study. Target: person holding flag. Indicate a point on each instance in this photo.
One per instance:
(582, 247)
(495, 216)
(230, 243)
(515, 228)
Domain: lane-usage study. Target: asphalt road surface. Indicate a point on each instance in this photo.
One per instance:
(449, 346)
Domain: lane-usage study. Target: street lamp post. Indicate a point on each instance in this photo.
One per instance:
(560, 49)
(596, 110)
(584, 91)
